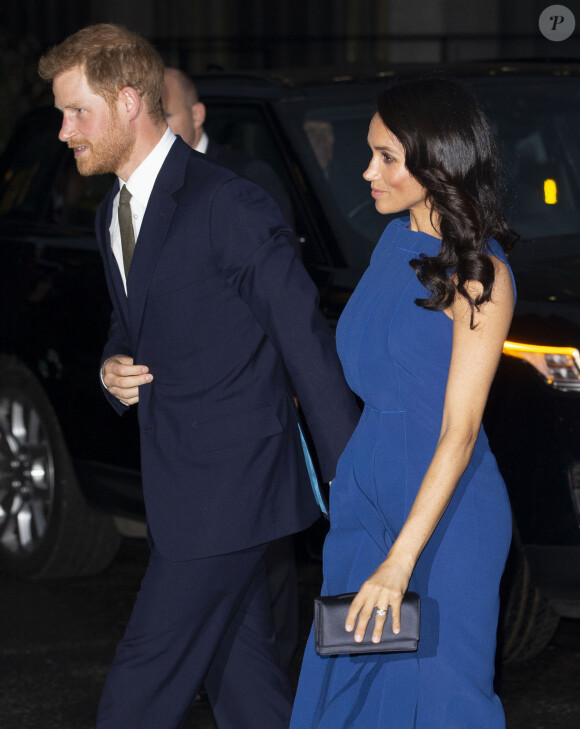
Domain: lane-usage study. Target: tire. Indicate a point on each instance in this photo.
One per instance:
(47, 529)
(527, 622)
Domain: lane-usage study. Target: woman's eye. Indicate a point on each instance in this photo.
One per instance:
(387, 158)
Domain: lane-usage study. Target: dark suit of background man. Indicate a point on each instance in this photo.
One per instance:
(214, 311)
(185, 114)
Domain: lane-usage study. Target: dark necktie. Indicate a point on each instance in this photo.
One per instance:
(126, 228)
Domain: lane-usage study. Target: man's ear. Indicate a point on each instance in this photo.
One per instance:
(129, 102)
(198, 110)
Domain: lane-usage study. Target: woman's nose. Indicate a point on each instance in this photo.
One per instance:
(371, 172)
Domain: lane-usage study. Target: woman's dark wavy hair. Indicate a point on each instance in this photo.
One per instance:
(451, 152)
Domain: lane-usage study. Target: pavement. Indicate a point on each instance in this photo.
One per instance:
(57, 640)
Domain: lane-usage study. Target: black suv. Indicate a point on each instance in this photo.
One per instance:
(69, 471)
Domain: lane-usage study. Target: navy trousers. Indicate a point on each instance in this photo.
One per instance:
(199, 622)
(280, 562)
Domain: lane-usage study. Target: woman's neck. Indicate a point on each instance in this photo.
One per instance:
(424, 220)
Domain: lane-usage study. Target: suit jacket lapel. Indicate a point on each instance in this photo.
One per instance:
(154, 228)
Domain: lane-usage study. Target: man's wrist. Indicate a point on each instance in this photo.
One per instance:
(102, 375)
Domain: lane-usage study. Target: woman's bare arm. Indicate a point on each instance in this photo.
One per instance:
(474, 360)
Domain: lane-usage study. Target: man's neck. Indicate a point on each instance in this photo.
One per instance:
(146, 141)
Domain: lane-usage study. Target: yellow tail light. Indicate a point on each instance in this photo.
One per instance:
(550, 192)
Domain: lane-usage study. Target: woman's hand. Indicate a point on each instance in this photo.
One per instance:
(385, 587)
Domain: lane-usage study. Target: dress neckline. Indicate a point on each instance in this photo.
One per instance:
(414, 241)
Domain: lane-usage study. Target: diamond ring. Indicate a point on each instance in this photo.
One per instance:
(381, 612)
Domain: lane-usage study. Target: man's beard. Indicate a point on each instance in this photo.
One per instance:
(109, 153)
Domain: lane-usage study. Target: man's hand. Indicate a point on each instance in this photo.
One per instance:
(122, 378)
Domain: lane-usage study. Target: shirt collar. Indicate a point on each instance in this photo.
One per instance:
(143, 178)
(202, 144)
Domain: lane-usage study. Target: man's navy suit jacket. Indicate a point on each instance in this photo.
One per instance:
(256, 170)
(223, 314)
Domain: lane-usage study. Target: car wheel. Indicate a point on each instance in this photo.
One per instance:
(527, 622)
(47, 529)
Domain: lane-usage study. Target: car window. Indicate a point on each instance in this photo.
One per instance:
(537, 129)
(336, 138)
(245, 127)
(331, 141)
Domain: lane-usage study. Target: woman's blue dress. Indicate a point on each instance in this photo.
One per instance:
(396, 357)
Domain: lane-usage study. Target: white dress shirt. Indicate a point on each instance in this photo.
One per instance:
(139, 185)
(202, 144)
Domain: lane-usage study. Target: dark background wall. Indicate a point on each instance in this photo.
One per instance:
(262, 34)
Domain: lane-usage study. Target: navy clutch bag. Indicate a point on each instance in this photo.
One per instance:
(331, 638)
